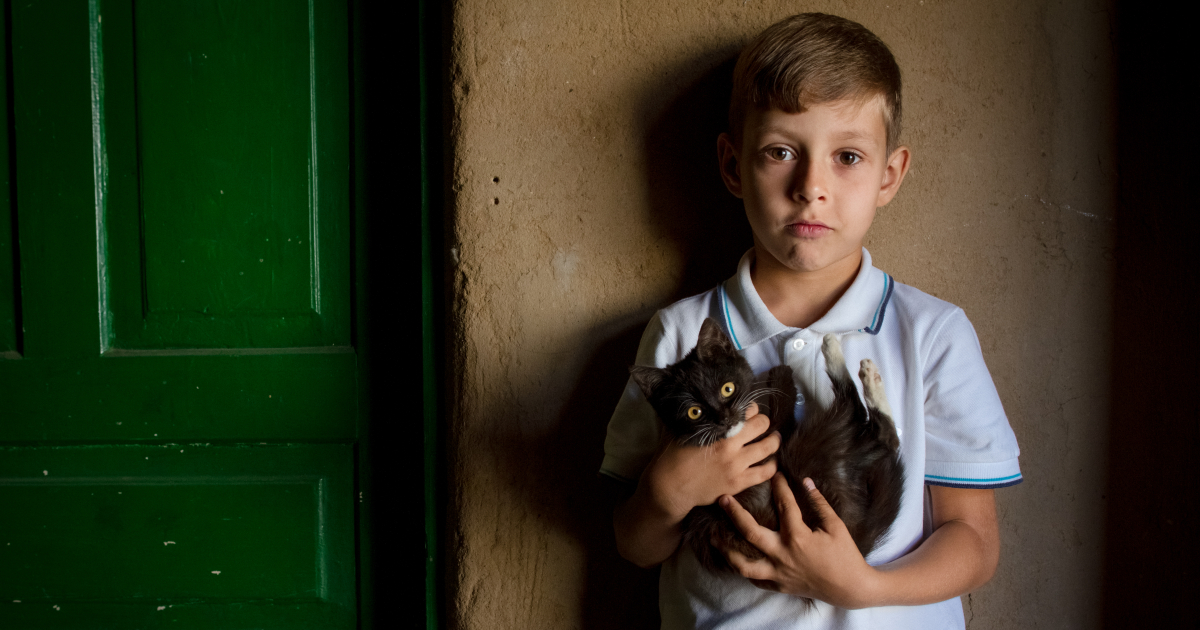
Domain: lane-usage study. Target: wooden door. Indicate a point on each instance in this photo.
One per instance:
(179, 378)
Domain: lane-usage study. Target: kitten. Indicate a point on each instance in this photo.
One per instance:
(851, 452)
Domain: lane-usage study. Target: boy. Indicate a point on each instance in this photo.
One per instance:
(813, 151)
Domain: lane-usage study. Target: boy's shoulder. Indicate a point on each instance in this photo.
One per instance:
(672, 331)
(914, 302)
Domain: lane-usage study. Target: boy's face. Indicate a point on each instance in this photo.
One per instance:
(811, 181)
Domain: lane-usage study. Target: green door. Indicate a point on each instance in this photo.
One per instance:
(179, 380)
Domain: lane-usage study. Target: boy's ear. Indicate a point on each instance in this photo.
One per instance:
(897, 168)
(731, 168)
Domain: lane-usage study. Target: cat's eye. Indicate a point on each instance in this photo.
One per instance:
(694, 412)
(727, 390)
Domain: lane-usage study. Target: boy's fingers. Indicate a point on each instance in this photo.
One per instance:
(750, 529)
(790, 518)
(751, 410)
(824, 510)
(756, 570)
(762, 472)
(754, 428)
(738, 514)
(759, 450)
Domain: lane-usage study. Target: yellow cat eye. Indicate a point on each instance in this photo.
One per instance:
(727, 390)
(693, 412)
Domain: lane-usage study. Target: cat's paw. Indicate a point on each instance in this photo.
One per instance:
(835, 362)
(873, 389)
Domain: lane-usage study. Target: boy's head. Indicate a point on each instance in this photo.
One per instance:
(815, 58)
(813, 147)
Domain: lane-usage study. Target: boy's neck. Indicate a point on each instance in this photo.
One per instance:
(800, 298)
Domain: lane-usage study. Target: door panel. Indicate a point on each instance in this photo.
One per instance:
(223, 126)
(125, 519)
(178, 535)
(173, 403)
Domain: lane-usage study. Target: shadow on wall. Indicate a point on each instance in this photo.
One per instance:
(706, 226)
(689, 204)
(1152, 548)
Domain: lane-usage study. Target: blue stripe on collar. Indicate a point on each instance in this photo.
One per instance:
(728, 319)
(881, 310)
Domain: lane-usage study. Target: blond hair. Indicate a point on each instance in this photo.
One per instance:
(814, 58)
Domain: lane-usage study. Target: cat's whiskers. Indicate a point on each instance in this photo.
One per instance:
(703, 436)
(742, 403)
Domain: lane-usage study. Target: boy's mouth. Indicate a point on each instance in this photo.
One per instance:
(808, 229)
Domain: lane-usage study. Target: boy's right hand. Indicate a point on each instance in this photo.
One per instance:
(680, 478)
(683, 477)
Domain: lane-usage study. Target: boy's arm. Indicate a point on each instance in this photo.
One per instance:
(681, 477)
(960, 555)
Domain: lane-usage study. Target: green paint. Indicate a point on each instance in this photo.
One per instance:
(268, 532)
(227, 209)
(162, 420)
(117, 531)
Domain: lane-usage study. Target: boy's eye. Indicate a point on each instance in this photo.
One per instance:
(694, 412)
(780, 153)
(727, 390)
(846, 158)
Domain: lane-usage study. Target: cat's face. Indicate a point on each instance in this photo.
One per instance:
(702, 398)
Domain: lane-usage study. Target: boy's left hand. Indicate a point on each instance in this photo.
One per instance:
(821, 563)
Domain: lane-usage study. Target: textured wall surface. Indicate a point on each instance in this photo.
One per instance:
(585, 196)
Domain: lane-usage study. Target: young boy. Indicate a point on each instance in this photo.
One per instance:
(813, 151)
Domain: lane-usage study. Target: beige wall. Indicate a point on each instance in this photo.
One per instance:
(585, 196)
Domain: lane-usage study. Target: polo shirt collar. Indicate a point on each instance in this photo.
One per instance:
(861, 309)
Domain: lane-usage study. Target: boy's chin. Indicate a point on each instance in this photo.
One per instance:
(812, 259)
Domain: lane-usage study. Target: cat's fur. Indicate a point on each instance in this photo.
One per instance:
(851, 452)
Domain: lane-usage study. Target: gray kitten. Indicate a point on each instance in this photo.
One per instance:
(851, 452)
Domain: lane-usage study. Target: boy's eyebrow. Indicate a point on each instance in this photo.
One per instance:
(845, 136)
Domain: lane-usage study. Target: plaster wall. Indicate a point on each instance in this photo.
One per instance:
(585, 195)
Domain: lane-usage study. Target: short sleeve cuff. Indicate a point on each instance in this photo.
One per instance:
(973, 475)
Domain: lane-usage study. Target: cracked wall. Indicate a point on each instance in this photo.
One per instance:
(585, 196)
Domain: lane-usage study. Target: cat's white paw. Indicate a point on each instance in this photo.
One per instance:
(873, 389)
(835, 362)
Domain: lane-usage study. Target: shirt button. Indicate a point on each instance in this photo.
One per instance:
(797, 344)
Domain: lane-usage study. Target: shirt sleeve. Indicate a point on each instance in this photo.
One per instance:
(968, 441)
(633, 431)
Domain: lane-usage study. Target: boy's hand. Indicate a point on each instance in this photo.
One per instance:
(683, 477)
(821, 563)
(680, 478)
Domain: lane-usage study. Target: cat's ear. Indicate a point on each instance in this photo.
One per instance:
(647, 378)
(713, 341)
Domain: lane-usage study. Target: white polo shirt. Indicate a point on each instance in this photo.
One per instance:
(953, 431)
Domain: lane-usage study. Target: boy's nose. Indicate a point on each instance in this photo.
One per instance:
(810, 182)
